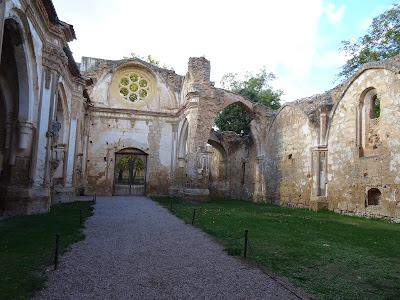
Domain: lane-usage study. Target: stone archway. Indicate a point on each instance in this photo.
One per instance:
(130, 172)
(219, 168)
(16, 136)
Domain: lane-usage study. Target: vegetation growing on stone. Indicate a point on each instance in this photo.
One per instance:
(256, 88)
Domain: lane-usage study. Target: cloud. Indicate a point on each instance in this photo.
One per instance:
(234, 36)
(330, 59)
(365, 23)
(334, 15)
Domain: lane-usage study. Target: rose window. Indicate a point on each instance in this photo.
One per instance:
(133, 87)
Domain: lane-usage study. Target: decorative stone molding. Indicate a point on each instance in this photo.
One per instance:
(54, 163)
(54, 132)
(54, 58)
(134, 85)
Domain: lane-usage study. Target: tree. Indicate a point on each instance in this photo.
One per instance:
(255, 88)
(131, 163)
(233, 118)
(382, 41)
(148, 59)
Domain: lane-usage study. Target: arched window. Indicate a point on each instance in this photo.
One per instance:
(368, 122)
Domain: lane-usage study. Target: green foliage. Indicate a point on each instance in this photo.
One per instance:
(255, 88)
(148, 59)
(124, 162)
(233, 118)
(377, 107)
(382, 41)
(329, 255)
(27, 242)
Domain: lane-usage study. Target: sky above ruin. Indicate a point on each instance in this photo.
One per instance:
(297, 40)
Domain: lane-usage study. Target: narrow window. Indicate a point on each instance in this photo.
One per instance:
(377, 107)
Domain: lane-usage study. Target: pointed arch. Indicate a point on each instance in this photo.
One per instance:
(62, 114)
(26, 65)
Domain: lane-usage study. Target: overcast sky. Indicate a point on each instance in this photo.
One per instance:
(297, 40)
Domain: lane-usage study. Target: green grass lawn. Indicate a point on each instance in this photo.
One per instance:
(329, 255)
(26, 243)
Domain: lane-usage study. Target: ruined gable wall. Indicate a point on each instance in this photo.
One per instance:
(350, 172)
(288, 161)
(116, 124)
(164, 85)
(111, 133)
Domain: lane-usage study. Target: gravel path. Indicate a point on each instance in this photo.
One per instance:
(136, 249)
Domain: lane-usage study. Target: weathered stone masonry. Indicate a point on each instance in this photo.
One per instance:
(128, 127)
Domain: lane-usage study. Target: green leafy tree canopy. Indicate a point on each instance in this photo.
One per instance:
(254, 87)
(127, 162)
(148, 59)
(381, 41)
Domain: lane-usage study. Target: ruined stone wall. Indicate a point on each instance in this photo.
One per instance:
(355, 168)
(110, 134)
(117, 122)
(233, 176)
(288, 158)
(61, 127)
(42, 99)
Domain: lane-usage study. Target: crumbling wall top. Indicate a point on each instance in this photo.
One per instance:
(199, 69)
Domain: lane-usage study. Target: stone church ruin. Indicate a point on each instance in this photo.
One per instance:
(127, 127)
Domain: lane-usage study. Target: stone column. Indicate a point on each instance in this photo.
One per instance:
(322, 134)
(8, 134)
(71, 154)
(197, 174)
(25, 135)
(319, 165)
(174, 154)
(315, 173)
(54, 61)
(260, 194)
(2, 16)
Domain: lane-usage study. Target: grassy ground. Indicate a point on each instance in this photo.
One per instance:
(27, 243)
(329, 255)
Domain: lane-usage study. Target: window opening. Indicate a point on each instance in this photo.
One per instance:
(376, 107)
(373, 196)
(133, 87)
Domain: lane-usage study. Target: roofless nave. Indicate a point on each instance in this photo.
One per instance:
(128, 127)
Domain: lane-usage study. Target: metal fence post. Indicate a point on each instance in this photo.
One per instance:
(56, 251)
(245, 242)
(194, 215)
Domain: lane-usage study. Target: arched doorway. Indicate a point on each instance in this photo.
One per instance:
(130, 173)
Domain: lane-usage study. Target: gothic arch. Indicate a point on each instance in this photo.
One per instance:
(26, 64)
(62, 114)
